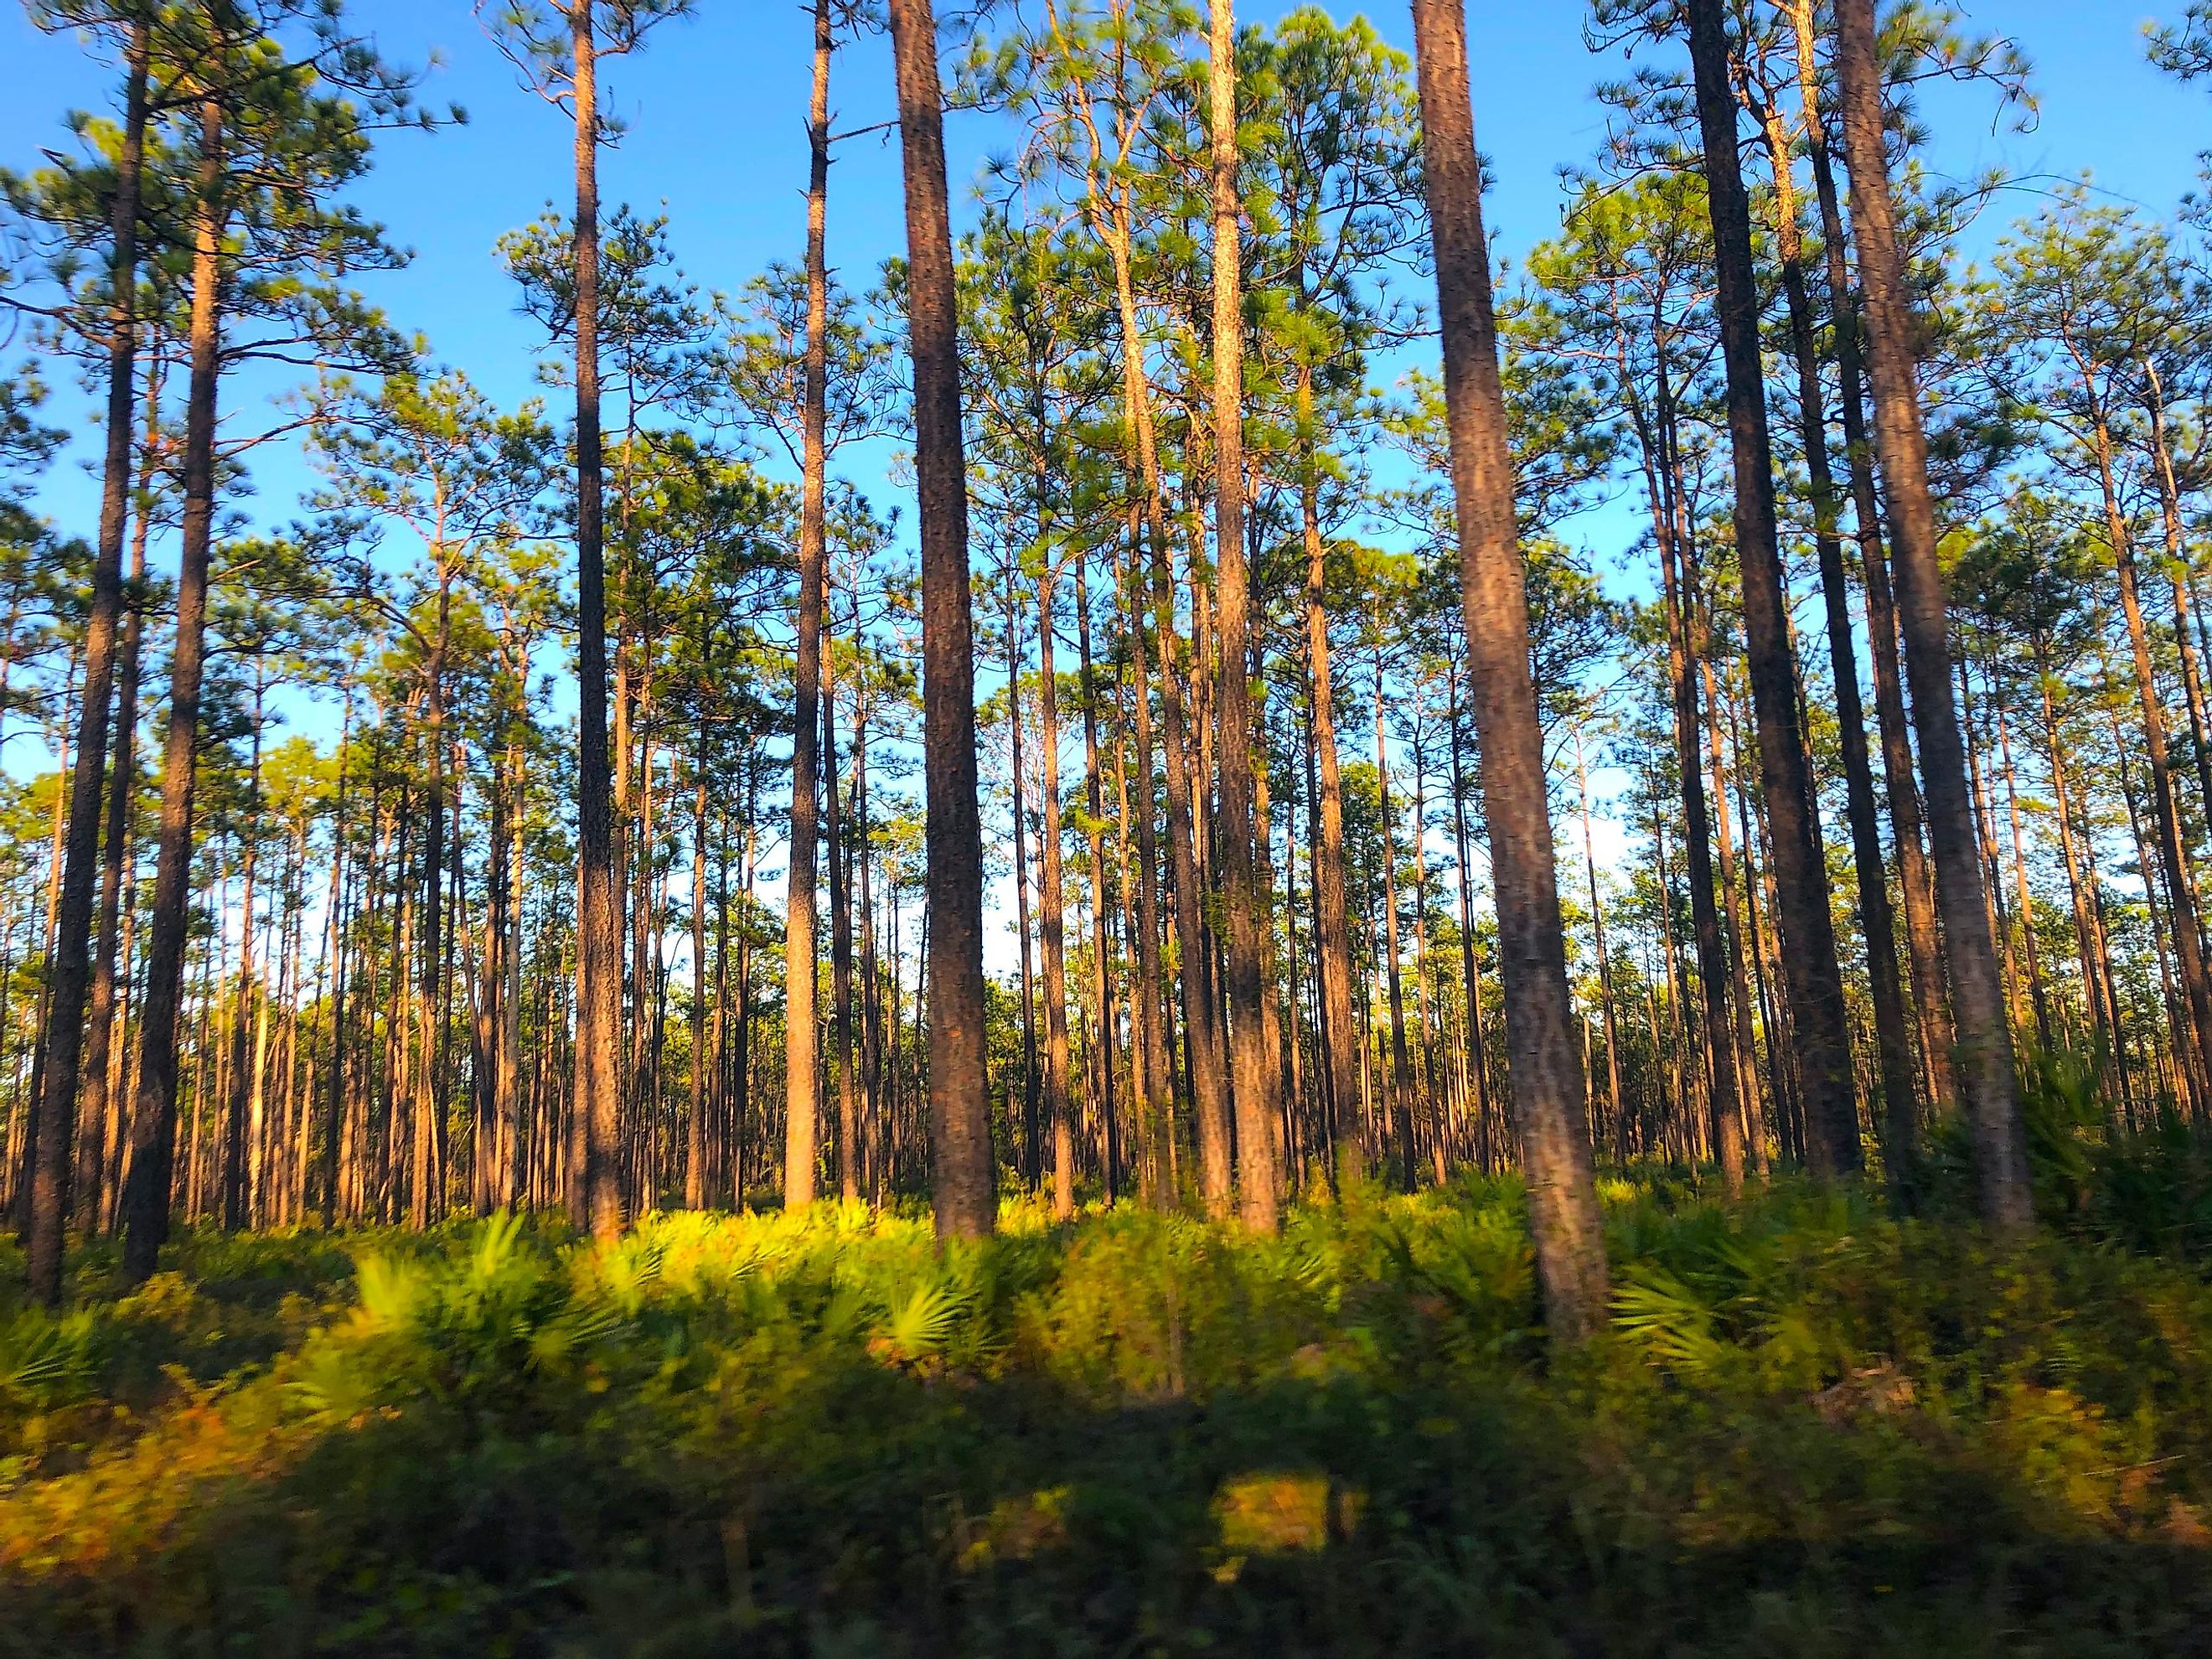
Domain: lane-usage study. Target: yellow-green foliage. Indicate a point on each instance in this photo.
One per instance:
(1813, 1430)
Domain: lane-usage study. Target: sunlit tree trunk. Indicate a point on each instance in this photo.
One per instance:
(1916, 881)
(1252, 1085)
(1397, 1109)
(1332, 913)
(2103, 1007)
(2172, 1055)
(1477, 1059)
(2037, 993)
(104, 1072)
(2177, 567)
(2172, 846)
(334, 1147)
(1201, 1049)
(1604, 957)
(696, 1137)
(1746, 947)
(1101, 965)
(1730, 1117)
(1153, 1093)
(838, 863)
(243, 1078)
(802, 1105)
(1030, 1149)
(597, 1104)
(1548, 1107)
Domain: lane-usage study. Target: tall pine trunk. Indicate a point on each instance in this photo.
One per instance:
(1916, 881)
(1340, 1050)
(1822, 1044)
(1548, 1108)
(1727, 1102)
(1252, 1085)
(964, 1178)
(53, 1121)
(1101, 964)
(802, 1111)
(597, 1101)
(837, 863)
(154, 1121)
(1892, 1040)
(1052, 927)
(1991, 1087)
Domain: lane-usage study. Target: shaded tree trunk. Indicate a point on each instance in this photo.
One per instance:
(1822, 1044)
(1059, 1108)
(54, 1113)
(1992, 1089)
(153, 1121)
(1892, 1040)
(963, 1176)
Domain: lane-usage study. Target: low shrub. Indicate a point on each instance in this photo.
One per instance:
(1813, 1429)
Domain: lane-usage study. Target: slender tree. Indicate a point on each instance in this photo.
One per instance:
(560, 51)
(1820, 1039)
(53, 1122)
(963, 1176)
(1990, 1084)
(153, 1135)
(801, 1034)
(1251, 1081)
(1548, 1106)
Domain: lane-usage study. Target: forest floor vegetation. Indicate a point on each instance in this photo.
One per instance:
(1813, 1429)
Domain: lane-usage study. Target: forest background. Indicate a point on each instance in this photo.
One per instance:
(720, 121)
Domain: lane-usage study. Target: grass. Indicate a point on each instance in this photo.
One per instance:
(1813, 1430)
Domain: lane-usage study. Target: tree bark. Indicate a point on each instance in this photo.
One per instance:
(1916, 881)
(801, 1034)
(963, 1180)
(1477, 1060)
(1604, 958)
(154, 1122)
(597, 1101)
(1548, 1080)
(1059, 1107)
(1332, 911)
(244, 1077)
(1730, 1120)
(1810, 962)
(1095, 834)
(1396, 1108)
(1892, 1040)
(837, 862)
(53, 1121)
(1992, 1089)
(1252, 1087)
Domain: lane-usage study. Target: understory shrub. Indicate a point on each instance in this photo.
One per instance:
(1813, 1429)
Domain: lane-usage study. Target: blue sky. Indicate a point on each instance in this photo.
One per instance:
(716, 109)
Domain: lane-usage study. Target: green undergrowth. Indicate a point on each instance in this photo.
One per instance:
(1814, 1429)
